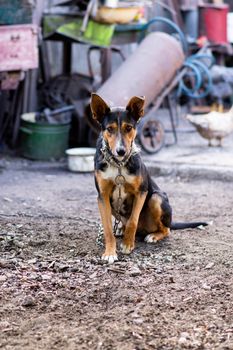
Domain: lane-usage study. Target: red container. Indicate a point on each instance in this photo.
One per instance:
(213, 22)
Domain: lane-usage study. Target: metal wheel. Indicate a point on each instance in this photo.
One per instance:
(151, 135)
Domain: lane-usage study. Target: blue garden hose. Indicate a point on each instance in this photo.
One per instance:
(173, 26)
(200, 73)
(204, 56)
(192, 72)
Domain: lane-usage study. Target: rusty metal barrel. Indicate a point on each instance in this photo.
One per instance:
(146, 72)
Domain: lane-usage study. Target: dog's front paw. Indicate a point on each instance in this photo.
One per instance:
(109, 258)
(126, 248)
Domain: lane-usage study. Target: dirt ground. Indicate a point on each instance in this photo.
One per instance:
(55, 293)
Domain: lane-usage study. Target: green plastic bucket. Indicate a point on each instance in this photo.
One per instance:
(43, 141)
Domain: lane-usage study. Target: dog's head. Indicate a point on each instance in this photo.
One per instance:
(118, 124)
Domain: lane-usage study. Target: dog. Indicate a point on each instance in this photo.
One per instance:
(125, 188)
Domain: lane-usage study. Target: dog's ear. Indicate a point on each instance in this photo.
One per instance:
(135, 107)
(99, 107)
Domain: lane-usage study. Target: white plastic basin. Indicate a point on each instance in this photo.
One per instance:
(81, 159)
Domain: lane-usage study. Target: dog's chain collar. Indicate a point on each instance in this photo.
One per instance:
(111, 160)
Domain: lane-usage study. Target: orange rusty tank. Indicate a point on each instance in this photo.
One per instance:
(146, 72)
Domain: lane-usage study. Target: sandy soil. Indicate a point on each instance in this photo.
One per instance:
(55, 293)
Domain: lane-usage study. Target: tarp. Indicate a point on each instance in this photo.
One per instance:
(59, 27)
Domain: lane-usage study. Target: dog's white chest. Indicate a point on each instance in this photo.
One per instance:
(112, 172)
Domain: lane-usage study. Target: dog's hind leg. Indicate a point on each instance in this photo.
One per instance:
(158, 219)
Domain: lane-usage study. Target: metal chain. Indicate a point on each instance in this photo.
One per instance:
(100, 235)
(119, 181)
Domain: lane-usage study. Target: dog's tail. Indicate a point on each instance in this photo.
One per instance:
(184, 225)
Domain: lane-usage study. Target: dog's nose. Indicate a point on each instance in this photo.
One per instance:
(120, 151)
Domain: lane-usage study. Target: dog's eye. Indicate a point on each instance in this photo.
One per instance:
(128, 128)
(110, 129)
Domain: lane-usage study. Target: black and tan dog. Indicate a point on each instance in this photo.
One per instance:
(120, 173)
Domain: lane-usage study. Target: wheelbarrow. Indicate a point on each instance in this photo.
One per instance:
(153, 71)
